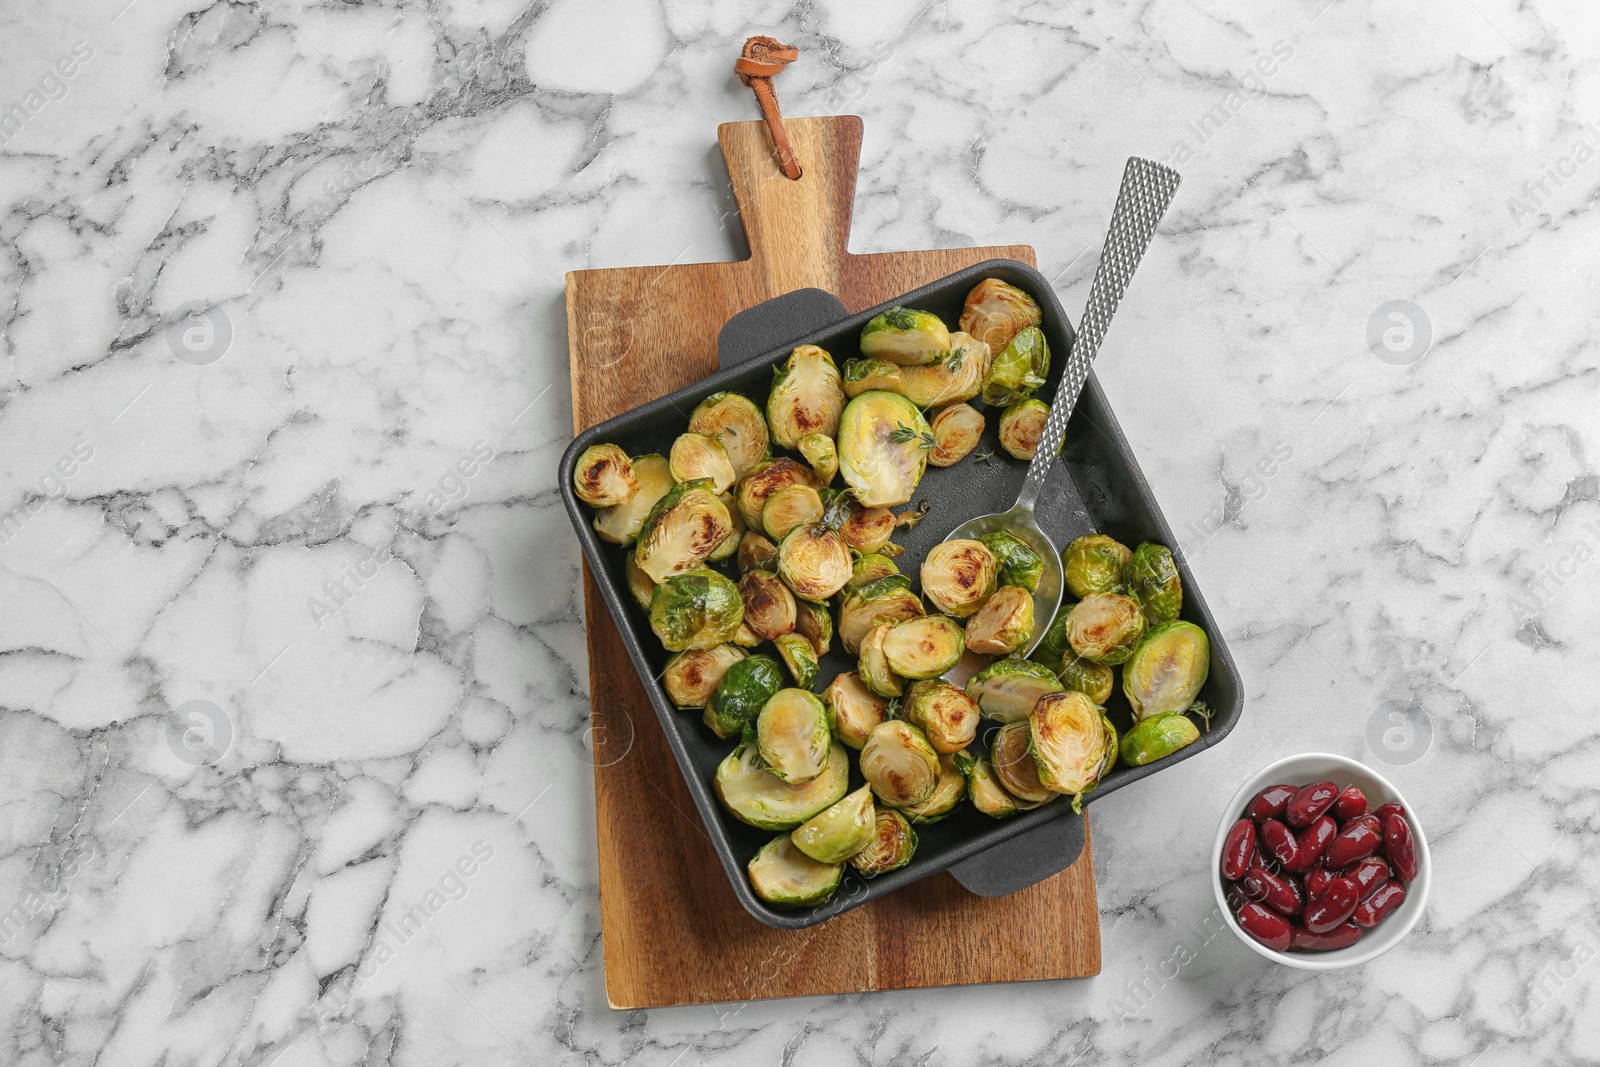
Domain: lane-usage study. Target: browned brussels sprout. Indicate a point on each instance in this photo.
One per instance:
(899, 764)
(692, 675)
(853, 709)
(791, 506)
(682, 531)
(756, 553)
(1105, 627)
(769, 606)
(958, 576)
(814, 622)
(893, 844)
(946, 715)
(956, 377)
(766, 478)
(924, 647)
(1015, 767)
(905, 336)
(883, 448)
(807, 396)
(1004, 623)
(815, 561)
(866, 375)
(1072, 742)
(956, 431)
(737, 423)
(696, 455)
(604, 477)
(620, 523)
(1021, 426)
(996, 312)
(887, 599)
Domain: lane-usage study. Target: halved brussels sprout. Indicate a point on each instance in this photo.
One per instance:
(766, 478)
(1072, 742)
(730, 544)
(874, 668)
(745, 637)
(958, 576)
(899, 764)
(924, 647)
(1105, 627)
(783, 875)
(1152, 579)
(1004, 623)
(865, 375)
(701, 609)
(807, 396)
(640, 584)
(693, 674)
(1019, 564)
(620, 524)
(823, 455)
(905, 336)
(604, 476)
(1167, 670)
(996, 312)
(1095, 680)
(883, 448)
(793, 735)
(1007, 689)
(738, 698)
(1053, 645)
(814, 622)
(769, 606)
(1158, 736)
(1014, 765)
(1094, 564)
(893, 844)
(1018, 369)
(956, 431)
(946, 715)
(867, 530)
(956, 377)
(988, 795)
(737, 423)
(1021, 426)
(789, 507)
(869, 568)
(853, 709)
(756, 553)
(798, 655)
(682, 530)
(697, 456)
(815, 561)
(835, 835)
(756, 796)
(886, 600)
(947, 793)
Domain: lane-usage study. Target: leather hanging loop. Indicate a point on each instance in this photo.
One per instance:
(761, 59)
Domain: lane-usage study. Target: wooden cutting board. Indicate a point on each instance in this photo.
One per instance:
(673, 932)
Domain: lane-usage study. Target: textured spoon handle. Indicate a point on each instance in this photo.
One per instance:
(1147, 189)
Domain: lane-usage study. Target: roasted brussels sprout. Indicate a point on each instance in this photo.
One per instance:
(697, 456)
(1053, 645)
(888, 599)
(853, 709)
(1152, 579)
(793, 736)
(745, 637)
(924, 647)
(867, 530)
(956, 431)
(1095, 680)
(756, 553)
(835, 835)
(769, 606)
(739, 696)
(737, 423)
(1014, 765)
(1157, 736)
(640, 584)
(815, 561)
(784, 876)
(1018, 563)
(604, 477)
(766, 478)
(946, 715)
(956, 377)
(1072, 742)
(996, 312)
(798, 655)
(883, 448)
(823, 455)
(1094, 564)
(869, 568)
(1004, 623)
(701, 609)
(905, 336)
(958, 576)
(814, 622)
(620, 524)
(1105, 627)
(1021, 426)
(682, 530)
(983, 788)
(873, 666)
(1167, 670)
(693, 674)
(947, 793)
(756, 796)
(899, 764)
(807, 396)
(1018, 369)
(789, 507)
(1007, 689)
(865, 375)
(729, 546)
(893, 844)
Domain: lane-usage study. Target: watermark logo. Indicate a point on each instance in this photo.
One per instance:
(47, 896)
(1141, 992)
(1252, 486)
(606, 739)
(1554, 575)
(1537, 193)
(199, 334)
(1398, 733)
(52, 486)
(1210, 122)
(47, 90)
(199, 732)
(1548, 985)
(1399, 332)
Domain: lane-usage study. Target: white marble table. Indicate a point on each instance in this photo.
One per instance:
(286, 385)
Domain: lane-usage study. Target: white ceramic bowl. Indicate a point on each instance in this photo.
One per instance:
(1303, 770)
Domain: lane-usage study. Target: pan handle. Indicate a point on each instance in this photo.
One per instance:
(768, 324)
(1045, 851)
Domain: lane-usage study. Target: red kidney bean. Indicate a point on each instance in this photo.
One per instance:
(1233, 893)
(1269, 803)
(1399, 847)
(1307, 805)
(1359, 839)
(1279, 894)
(1339, 937)
(1368, 875)
(1317, 880)
(1336, 903)
(1237, 848)
(1267, 927)
(1350, 804)
(1391, 808)
(1376, 908)
(1312, 843)
(1281, 842)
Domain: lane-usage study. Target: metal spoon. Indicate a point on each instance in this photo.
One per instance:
(1147, 189)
